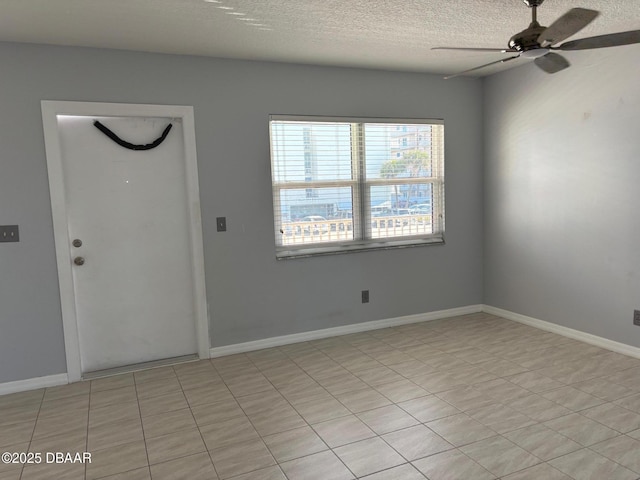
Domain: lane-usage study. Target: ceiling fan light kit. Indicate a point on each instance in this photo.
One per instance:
(537, 42)
(535, 53)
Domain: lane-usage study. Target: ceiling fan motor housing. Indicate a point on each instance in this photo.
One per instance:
(527, 39)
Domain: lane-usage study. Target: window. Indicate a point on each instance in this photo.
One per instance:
(343, 184)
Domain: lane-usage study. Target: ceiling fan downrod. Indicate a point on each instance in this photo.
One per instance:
(533, 5)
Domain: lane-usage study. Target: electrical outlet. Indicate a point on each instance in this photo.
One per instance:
(365, 296)
(636, 317)
(221, 224)
(9, 233)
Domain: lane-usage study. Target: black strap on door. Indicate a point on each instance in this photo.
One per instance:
(132, 146)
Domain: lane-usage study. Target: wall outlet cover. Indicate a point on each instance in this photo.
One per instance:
(9, 233)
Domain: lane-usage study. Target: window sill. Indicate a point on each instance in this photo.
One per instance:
(320, 249)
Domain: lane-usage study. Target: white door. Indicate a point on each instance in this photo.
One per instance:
(129, 240)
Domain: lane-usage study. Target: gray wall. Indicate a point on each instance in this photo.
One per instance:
(251, 295)
(562, 169)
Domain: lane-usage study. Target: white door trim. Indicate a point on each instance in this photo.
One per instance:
(50, 111)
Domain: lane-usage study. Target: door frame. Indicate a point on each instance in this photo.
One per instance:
(50, 111)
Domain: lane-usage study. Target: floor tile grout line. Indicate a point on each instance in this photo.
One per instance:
(457, 449)
(197, 426)
(88, 420)
(610, 459)
(246, 415)
(111, 475)
(453, 447)
(592, 451)
(144, 438)
(33, 431)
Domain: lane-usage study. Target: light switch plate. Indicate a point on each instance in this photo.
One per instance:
(221, 224)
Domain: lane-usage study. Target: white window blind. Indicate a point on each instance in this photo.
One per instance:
(342, 184)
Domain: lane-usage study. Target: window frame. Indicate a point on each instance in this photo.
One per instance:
(360, 192)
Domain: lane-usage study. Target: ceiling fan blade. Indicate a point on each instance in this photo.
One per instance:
(601, 41)
(478, 68)
(464, 49)
(552, 62)
(568, 24)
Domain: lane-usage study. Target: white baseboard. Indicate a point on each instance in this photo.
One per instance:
(33, 383)
(601, 342)
(62, 379)
(344, 330)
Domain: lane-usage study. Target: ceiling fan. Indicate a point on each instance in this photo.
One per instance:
(539, 42)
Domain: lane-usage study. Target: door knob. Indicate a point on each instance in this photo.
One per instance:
(78, 261)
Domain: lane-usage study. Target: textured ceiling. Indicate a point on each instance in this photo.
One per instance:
(381, 34)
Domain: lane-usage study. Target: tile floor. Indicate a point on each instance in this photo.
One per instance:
(471, 398)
